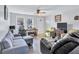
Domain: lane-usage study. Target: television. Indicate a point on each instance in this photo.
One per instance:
(62, 26)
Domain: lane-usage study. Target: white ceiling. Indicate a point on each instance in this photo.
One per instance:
(31, 9)
(44, 7)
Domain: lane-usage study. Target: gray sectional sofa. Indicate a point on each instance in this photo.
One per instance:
(67, 45)
(12, 45)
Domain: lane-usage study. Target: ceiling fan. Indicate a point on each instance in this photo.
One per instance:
(40, 12)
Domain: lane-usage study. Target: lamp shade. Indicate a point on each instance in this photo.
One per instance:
(12, 27)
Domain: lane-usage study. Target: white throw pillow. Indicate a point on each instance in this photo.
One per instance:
(11, 36)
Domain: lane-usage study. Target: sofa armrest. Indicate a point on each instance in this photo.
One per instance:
(16, 50)
(45, 46)
(46, 43)
(75, 51)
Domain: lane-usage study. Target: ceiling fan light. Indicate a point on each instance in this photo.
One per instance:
(38, 11)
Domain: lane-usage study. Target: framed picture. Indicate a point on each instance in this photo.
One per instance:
(57, 18)
(76, 18)
(29, 23)
(20, 21)
(5, 12)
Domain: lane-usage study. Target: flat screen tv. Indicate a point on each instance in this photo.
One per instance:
(62, 26)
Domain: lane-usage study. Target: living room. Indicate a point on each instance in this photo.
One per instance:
(36, 22)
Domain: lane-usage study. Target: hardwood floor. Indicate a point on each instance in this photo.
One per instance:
(36, 47)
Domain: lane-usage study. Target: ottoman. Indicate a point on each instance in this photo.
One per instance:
(29, 40)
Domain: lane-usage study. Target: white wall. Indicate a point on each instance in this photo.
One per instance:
(4, 24)
(38, 21)
(49, 21)
(67, 16)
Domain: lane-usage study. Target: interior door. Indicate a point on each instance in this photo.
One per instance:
(40, 25)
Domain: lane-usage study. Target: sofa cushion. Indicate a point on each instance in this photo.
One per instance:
(7, 43)
(19, 42)
(66, 48)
